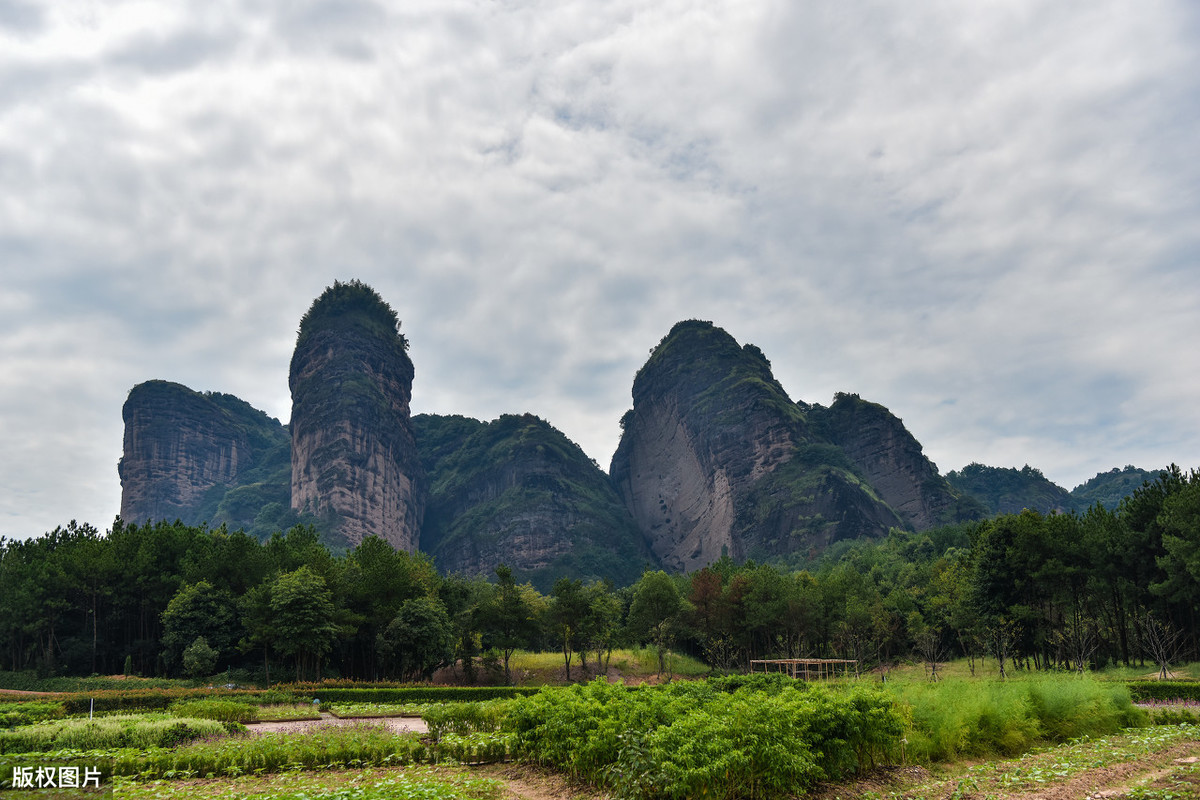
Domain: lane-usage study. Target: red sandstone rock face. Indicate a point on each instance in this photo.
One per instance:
(354, 460)
(892, 460)
(715, 459)
(183, 448)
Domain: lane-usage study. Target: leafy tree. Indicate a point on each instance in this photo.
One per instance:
(199, 659)
(656, 612)
(568, 616)
(419, 640)
(199, 611)
(302, 612)
(509, 618)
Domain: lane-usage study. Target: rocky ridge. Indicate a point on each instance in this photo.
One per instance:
(715, 459)
(354, 461)
(196, 457)
(516, 491)
(893, 462)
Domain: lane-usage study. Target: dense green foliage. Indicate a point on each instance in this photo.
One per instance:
(1110, 488)
(420, 694)
(691, 739)
(329, 747)
(957, 719)
(520, 476)
(221, 710)
(29, 712)
(1005, 490)
(1026, 591)
(351, 305)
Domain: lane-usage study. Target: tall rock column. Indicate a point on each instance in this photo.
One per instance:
(353, 456)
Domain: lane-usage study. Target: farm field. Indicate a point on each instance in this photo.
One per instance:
(753, 737)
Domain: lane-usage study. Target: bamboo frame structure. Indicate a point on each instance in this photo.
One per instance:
(813, 668)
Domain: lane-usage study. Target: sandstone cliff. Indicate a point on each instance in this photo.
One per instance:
(715, 459)
(517, 491)
(354, 461)
(892, 461)
(199, 457)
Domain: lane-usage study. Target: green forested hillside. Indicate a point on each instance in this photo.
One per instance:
(1007, 490)
(517, 491)
(1110, 488)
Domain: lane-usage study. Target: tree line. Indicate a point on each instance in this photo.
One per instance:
(1068, 591)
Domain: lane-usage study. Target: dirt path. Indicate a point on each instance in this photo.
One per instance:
(397, 724)
(1099, 770)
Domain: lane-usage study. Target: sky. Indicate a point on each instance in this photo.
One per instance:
(983, 214)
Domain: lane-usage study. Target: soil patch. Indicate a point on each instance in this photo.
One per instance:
(396, 724)
(524, 782)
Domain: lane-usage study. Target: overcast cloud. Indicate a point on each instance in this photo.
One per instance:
(983, 215)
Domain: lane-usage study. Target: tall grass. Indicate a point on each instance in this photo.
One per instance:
(29, 712)
(958, 718)
(350, 746)
(108, 732)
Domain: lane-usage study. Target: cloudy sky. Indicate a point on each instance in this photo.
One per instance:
(983, 214)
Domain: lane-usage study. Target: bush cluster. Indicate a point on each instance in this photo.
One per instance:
(690, 739)
(1164, 690)
(422, 694)
(216, 709)
(28, 712)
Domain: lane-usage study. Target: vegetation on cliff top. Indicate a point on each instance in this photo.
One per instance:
(701, 362)
(350, 304)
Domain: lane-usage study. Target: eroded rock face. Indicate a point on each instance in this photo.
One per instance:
(516, 491)
(892, 461)
(353, 456)
(184, 450)
(715, 459)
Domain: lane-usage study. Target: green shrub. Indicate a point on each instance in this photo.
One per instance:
(686, 739)
(420, 694)
(463, 719)
(1174, 716)
(1164, 690)
(955, 719)
(161, 699)
(475, 748)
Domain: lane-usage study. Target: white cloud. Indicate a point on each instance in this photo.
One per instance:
(981, 216)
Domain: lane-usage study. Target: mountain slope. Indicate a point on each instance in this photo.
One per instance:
(716, 459)
(517, 491)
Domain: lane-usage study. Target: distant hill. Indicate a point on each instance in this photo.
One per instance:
(1110, 488)
(1006, 490)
